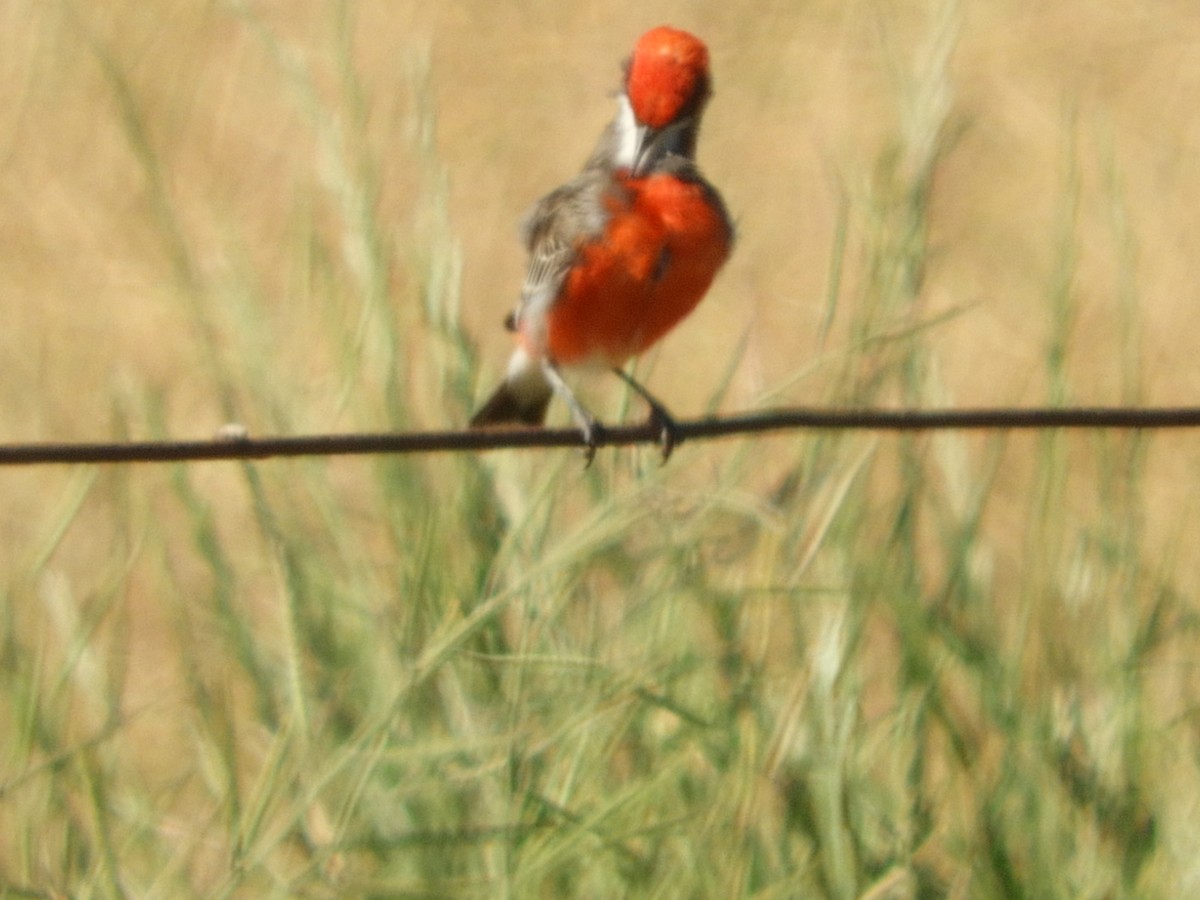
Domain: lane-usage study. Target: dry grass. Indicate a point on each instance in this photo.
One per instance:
(803, 666)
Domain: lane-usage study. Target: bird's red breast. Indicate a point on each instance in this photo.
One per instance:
(666, 237)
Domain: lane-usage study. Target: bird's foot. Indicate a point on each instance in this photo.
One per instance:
(591, 432)
(668, 429)
(660, 419)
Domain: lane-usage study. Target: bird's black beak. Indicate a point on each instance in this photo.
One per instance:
(652, 145)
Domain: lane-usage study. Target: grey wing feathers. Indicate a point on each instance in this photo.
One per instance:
(569, 212)
(548, 265)
(552, 231)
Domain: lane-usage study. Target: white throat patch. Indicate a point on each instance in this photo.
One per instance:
(629, 135)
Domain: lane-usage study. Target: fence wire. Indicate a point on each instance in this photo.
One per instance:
(233, 443)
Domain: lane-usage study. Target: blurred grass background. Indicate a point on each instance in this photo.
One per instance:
(806, 665)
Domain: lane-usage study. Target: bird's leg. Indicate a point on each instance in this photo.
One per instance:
(584, 420)
(668, 434)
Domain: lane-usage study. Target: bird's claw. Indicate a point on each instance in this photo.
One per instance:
(660, 419)
(668, 430)
(591, 432)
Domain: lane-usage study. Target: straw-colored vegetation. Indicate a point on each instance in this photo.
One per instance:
(805, 666)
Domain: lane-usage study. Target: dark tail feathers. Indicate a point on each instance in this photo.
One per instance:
(522, 403)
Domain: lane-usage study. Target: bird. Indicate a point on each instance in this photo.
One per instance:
(622, 252)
